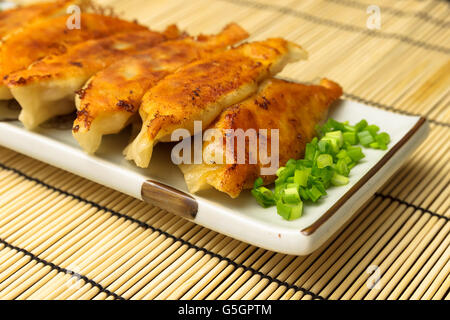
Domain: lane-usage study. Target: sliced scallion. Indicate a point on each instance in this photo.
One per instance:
(301, 177)
(291, 195)
(365, 138)
(327, 161)
(324, 160)
(339, 180)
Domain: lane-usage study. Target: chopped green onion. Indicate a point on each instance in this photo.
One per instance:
(355, 153)
(350, 137)
(382, 140)
(313, 193)
(285, 173)
(324, 146)
(324, 175)
(291, 162)
(292, 185)
(303, 194)
(319, 185)
(383, 137)
(360, 125)
(336, 125)
(291, 196)
(278, 191)
(302, 164)
(258, 183)
(289, 211)
(280, 169)
(334, 143)
(348, 128)
(342, 168)
(324, 160)
(341, 154)
(310, 151)
(264, 196)
(283, 209)
(373, 129)
(301, 177)
(296, 211)
(339, 180)
(336, 135)
(365, 138)
(327, 162)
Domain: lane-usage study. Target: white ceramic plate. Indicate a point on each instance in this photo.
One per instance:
(240, 218)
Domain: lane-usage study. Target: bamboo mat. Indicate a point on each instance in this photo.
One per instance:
(64, 237)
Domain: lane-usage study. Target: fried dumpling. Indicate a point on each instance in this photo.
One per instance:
(111, 98)
(202, 89)
(11, 20)
(292, 108)
(47, 88)
(52, 37)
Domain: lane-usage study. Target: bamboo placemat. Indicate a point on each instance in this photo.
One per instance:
(64, 237)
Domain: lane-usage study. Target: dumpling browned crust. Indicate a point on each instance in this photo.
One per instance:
(293, 108)
(201, 90)
(11, 20)
(47, 88)
(53, 37)
(112, 97)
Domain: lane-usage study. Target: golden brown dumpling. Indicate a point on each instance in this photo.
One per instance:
(202, 89)
(52, 37)
(293, 108)
(47, 88)
(111, 98)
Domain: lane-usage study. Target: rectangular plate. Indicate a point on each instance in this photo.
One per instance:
(240, 218)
